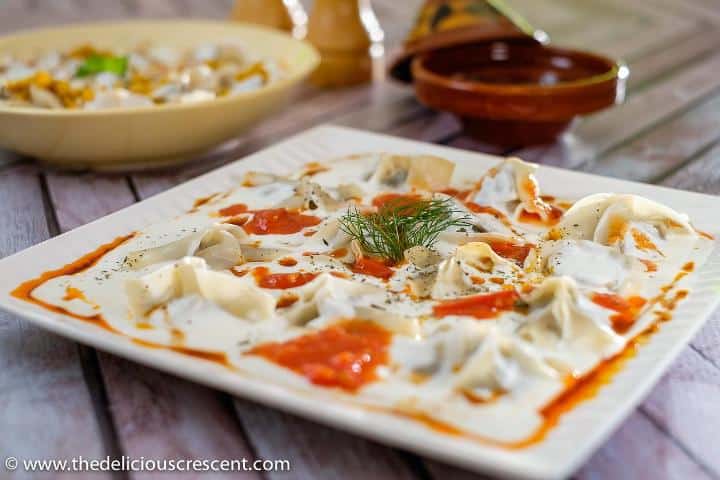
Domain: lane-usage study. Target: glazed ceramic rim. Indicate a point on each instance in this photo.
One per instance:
(295, 75)
(617, 71)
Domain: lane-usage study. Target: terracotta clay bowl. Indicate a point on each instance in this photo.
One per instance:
(516, 93)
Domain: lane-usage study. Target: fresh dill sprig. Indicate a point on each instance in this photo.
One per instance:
(399, 225)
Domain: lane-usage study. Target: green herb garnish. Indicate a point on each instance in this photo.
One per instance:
(101, 63)
(400, 225)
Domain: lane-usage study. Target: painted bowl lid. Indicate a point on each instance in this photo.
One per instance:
(447, 23)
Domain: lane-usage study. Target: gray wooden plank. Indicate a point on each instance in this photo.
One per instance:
(646, 65)
(684, 403)
(46, 410)
(154, 9)
(673, 142)
(599, 133)
(160, 416)
(468, 143)
(649, 65)
(703, 175)
(640, 449)
(667, 58)
(654, 154)
(21, 14)
(8, 158)
(391, 105)
(432, 127)
(665, 148)
(80, 198)
(156, 415)
(653, 455)
(618, 28)
(208, 8)
(315, 109)
(705, 9)
(315, 451)
(305, 114)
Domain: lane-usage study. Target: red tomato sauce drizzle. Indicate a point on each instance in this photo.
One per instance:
(476, 208)
(578, 389)
(339, 253)
(706, 235)
(25, 290)
(643, 242)
(269, 221)
(279, 221)
(344, 355)
(554, 215)
(281, 281)
(287, 262)
(650, 266)
(202, 201)
(232, 210)
(455, 193)
(215, 357)
(483, 306)
(365, 347)
(395, 199)
(72, 293)
(313, 168)
(628, 309)
(372, 267)
(287, 300)
(512, 251)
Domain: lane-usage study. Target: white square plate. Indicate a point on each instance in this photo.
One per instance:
(565, 448)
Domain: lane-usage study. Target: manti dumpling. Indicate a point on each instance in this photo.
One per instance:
(310, 196)
(219, 245)
(561, 318)
(329, 299)
(489, 221)
(200, 308)
(422, 172)
(419, 273)
(474, 267)
(636, 225)
(191, 276)
(222, 246)
(468, 356)
(588, 263)
(512, 185)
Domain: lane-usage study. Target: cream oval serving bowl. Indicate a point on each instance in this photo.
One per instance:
(145, 137)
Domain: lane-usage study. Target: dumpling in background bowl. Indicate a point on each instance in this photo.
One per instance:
(140, 94)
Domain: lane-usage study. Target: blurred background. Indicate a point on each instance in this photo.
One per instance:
(562, 19)
(656, 38)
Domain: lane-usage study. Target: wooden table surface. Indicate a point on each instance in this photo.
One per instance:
(59, 399)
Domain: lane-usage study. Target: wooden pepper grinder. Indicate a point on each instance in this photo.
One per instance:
(288, 15)
(350, 41)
